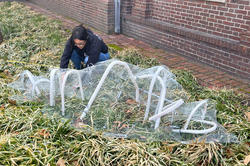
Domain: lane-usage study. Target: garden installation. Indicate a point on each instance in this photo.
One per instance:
(158, 112)
(126, 118)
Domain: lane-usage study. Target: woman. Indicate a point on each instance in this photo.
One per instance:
(84, 49)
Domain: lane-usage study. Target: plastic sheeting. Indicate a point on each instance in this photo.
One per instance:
(124, 101)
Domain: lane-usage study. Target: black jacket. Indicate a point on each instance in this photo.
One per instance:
(94, 46)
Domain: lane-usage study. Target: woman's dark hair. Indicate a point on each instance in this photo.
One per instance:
(79, 32)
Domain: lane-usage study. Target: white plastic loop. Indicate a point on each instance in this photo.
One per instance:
(31, 78)
(161, 99)
(151, 89)
(63, 87)
(192, 113)
(205, 131)
(111, 65)
(52, 87)
(36, 83)
(168, 109)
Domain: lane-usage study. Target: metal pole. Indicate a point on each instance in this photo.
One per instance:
(117, 16)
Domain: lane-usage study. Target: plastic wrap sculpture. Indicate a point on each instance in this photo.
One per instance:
(123, 100)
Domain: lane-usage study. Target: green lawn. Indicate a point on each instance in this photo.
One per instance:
(27, 137)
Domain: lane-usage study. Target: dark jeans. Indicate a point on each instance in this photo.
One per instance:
(78, 60)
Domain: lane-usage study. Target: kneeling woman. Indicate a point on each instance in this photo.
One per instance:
(84, 49)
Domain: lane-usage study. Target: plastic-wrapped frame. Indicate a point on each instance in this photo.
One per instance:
(123, 100)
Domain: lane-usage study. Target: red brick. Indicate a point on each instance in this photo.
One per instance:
(247, 8)
(230, 14)
(244, 26)
(222, 8)
(231, 5)
(245, 65)
(246, 17)
(244, 12)
(243, 2)
(236, 58)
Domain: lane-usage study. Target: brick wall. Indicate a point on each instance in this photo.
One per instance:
(217, 34)
(94, 13)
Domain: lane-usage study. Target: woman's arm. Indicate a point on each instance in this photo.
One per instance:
(66, 54)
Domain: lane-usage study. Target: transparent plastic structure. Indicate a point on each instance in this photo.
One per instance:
(123, 100)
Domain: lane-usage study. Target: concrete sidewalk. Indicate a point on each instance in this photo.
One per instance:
(206, 75)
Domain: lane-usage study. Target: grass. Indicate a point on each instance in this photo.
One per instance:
(27, 137)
